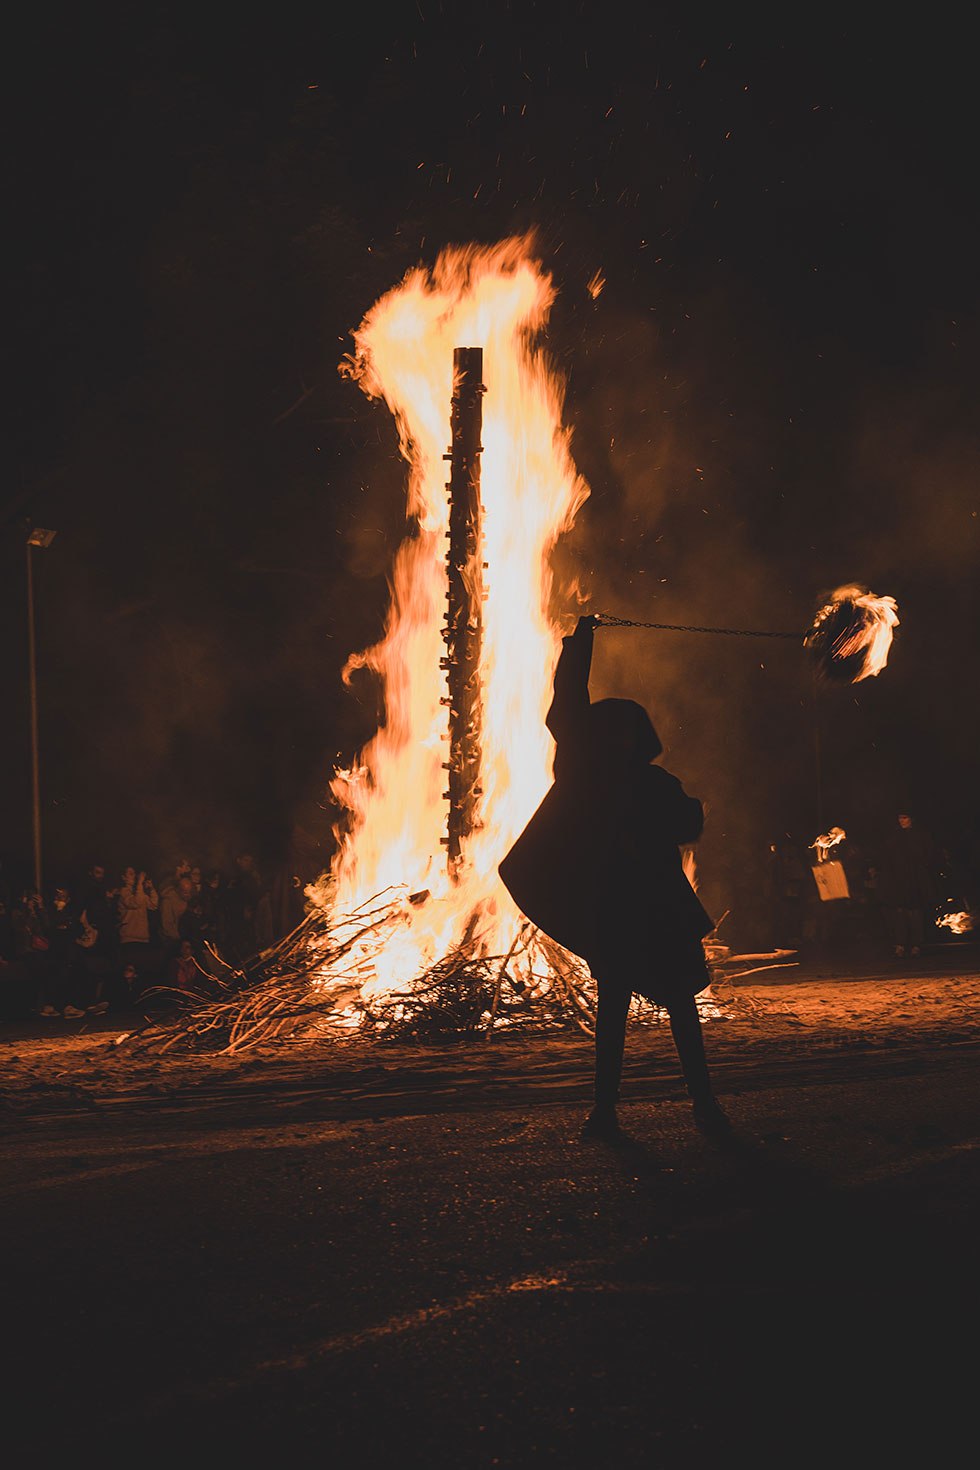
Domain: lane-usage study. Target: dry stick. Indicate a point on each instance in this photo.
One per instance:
(248, 1038)
(348, 944)
(247, 1014)
(502, 971)
(304, 923)
(579, 1009)
(170, 1041)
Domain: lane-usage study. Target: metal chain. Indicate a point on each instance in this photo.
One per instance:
(608, 621)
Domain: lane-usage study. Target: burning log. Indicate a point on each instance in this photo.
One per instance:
(852, 634)
(463, 632)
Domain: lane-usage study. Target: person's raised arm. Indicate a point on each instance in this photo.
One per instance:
(567, 718)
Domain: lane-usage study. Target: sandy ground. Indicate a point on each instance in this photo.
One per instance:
(804, 1012)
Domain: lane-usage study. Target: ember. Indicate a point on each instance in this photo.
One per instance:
(852, 634)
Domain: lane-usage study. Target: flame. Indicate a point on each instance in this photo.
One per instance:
(499, 299)
(852, 633)
(960, 923)
(823, 844)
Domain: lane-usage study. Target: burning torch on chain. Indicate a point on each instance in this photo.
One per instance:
(849, 639)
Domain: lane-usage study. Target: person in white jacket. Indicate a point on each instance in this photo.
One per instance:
(137, 900)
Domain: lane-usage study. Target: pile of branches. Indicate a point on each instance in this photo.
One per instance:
(277, 997)
(465, 994)
(311, 983)
(274, 996)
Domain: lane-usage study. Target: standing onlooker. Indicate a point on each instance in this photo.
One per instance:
(789, 883)
(183, 972)
(212, 922)
(98, 904)
(65, 930)
(173, 905)
(32, 933)
(909, 872)
(241, 905)
(16, 989)
(182, 869)
(137, 900)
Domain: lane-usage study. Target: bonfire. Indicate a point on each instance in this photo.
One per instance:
(412, 933)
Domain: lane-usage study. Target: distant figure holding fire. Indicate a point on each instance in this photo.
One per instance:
(909, 887)
(598, 868)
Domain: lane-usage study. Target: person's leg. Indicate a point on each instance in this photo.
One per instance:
(685, 1026)
(610, 1039)
(900, 930)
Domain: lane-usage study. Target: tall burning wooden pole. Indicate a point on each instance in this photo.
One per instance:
(463, 632)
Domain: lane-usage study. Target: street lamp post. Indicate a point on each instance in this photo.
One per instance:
(38, 537)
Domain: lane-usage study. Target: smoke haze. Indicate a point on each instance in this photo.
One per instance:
(773, 394)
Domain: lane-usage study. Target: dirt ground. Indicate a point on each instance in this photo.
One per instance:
(358, 1254)
(806, 1011)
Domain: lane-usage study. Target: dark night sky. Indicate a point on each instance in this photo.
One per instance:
(775, 392)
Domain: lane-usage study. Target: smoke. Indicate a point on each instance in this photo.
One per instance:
(710, 505)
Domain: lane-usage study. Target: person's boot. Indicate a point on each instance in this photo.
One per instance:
(601, 1123)
(711, 1118)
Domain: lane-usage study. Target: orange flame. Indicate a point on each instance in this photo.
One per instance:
(960, 923)
(866, 630)
(497, 298)
(823, 844)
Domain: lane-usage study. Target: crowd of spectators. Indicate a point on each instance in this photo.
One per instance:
(899, 893)
(102, 943)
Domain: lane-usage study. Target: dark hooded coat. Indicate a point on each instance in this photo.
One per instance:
(598, 867)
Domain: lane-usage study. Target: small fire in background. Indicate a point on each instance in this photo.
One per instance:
(828, 874)
(852, 634)
(958, 923)
(827, 842)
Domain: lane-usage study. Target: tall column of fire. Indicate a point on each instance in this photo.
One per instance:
(463, 631)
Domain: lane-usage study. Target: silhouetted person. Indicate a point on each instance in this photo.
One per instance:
(241, 905)
(909, 888)
(32, 935)
(98, 904)
(598, 868)
(788, 885)
(65, 930)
